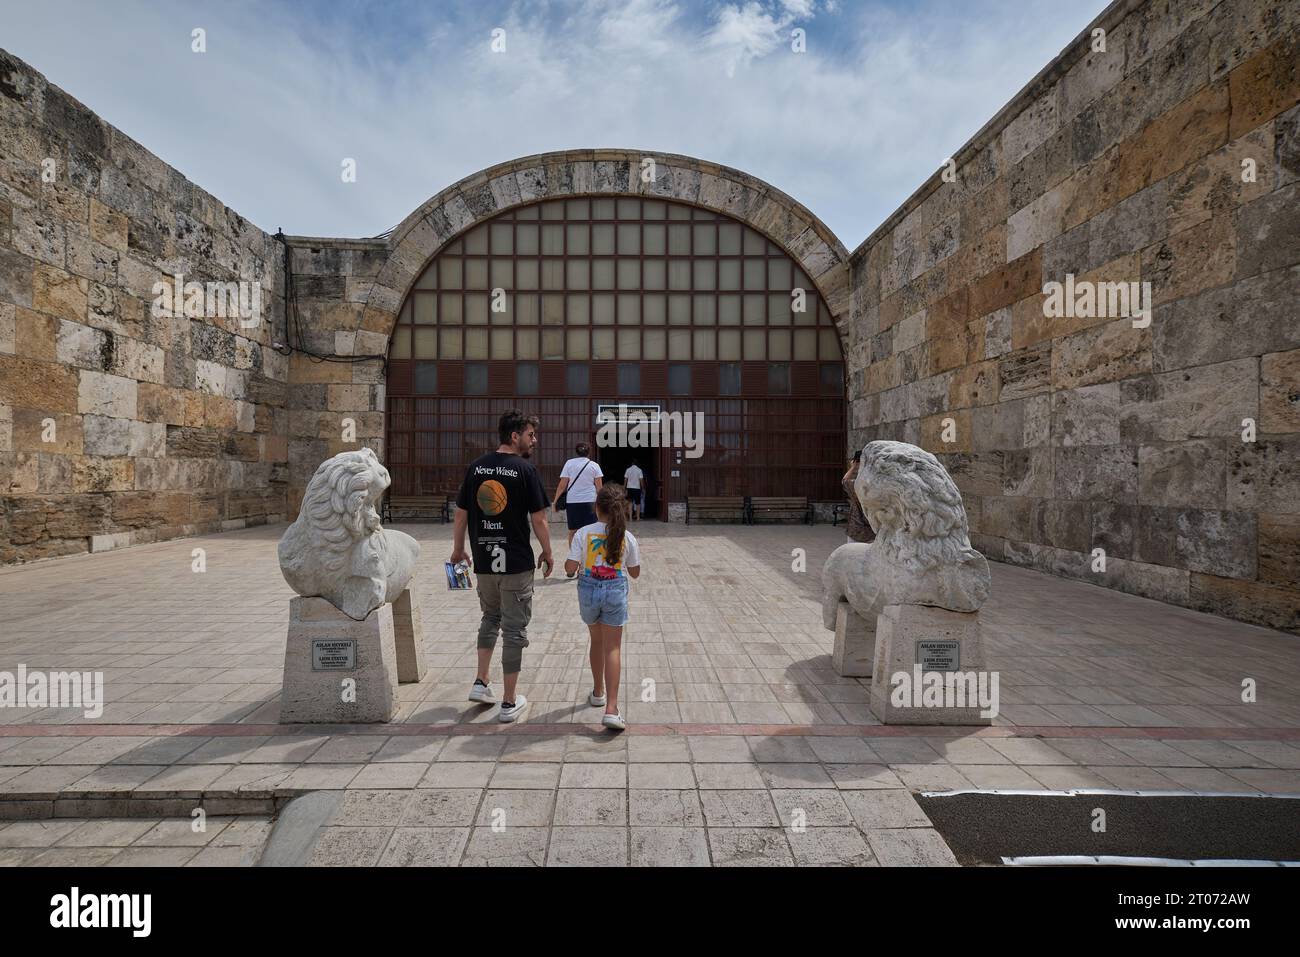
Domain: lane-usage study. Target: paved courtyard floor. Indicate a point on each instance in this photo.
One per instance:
(744, 746)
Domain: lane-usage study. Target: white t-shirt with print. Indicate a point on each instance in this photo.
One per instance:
(582, 487)
(633, 476)
(588, 550)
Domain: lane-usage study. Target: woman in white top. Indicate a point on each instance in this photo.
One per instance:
(581, 478)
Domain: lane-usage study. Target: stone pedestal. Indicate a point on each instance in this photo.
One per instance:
(855, 643)
(408, 631)
(338, 670)
(930, 669)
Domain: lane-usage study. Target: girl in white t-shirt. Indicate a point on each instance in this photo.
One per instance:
(605, 555)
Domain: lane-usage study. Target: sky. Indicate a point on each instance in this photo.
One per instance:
(415, 94)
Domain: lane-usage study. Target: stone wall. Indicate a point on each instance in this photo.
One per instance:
(118, 425)
(1170, 158)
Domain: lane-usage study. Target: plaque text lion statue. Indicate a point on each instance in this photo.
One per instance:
(922, 553)
(336, 548)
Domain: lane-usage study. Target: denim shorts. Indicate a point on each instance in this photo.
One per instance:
(602, 601)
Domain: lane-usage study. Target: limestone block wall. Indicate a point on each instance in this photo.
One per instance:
(1171, 157)
(119, 425)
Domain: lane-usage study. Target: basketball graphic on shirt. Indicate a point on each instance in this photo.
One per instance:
(491, 497)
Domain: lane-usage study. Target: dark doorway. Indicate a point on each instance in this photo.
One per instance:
(614, 461)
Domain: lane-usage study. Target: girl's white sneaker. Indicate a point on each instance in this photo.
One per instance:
(614, 722)
(596, 700)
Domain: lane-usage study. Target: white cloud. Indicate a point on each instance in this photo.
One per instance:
(264, 119)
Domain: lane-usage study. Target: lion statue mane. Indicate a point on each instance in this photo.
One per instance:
(336, 549)
(922, 553)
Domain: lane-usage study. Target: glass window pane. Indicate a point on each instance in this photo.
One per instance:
(526, 274)
(454, 249)
(678, 212)
(449, 343)
(552, 273)
(526, 343)
(803, 307)
(602, 239)
(679, 310)
(829, 344)
(579, 273)
(579, 239)
(679, 343)
(449, 308)
(629, 274)
(602, 209)
(476, 343)
(476, 309)
(578, 310)
(602, 309)
(499, 308)
(706, 239)
(679, 274)
(526, 242)
(426, 309)
(579, 209)
(653, 209)
(654, 274)
(629, 208)
(654, 240)
(502, 274)
(602, 274)
(602, 343)
(476, 379)
(679, 380)
(426, 343)
(778, 309)
(577, 378)
(654, 310)
(629, 347)
(704, 343)
(476, 241)
(779, 274)
(755, 344)
(728, 310)
(503, 239)
(629, 239)
(553, 309)
(755, 310)
(503, 344)
(552, 209)
(679, 239)
(729, 275)
(729, 239)
(729, 378)
(527, 308)
(755, 274)
(449, 272)
(805, 344)
(526, 378)
(629, 373)
(525, 212)
(552, 343)
(754, 243)
(654, 345)
(553, 239)
(729, 346)
(429, 278)
(399, 347)
(705, 274)
(705, 311)
(629, 310)
(577, 347)
(832, 374)
(778, 344)
(778, 378)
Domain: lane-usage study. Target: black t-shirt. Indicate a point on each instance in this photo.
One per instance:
(500, 492)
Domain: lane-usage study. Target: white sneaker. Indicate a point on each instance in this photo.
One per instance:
(614, 722)
(511, 714)
(595, 700)
(482, 694)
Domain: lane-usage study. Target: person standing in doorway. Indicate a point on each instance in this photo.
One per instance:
(580, 481)
(633, 479)
(501, 497)
(859, 529)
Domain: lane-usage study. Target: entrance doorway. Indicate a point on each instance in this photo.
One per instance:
(614, 461)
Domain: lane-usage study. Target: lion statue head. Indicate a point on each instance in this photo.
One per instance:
(336, 549)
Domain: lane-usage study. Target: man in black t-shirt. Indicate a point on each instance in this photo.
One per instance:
(501, 498)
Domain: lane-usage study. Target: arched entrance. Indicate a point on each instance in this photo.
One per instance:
(668, 299)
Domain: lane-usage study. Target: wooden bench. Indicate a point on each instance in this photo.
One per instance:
(440, 503)
(729, 508)
(780, 509)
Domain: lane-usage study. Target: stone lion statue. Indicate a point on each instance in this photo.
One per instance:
(336, 548)
(922, 553)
